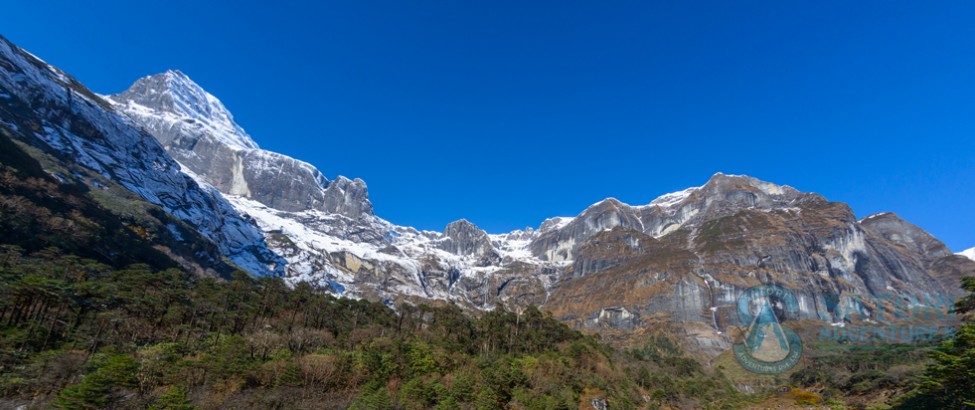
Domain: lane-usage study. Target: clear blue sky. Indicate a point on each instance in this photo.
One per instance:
(508, 112)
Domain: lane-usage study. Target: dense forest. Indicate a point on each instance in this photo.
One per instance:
(79, 334)
(84, 335)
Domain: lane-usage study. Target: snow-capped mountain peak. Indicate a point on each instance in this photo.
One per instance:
(174, 94)
(198, 131)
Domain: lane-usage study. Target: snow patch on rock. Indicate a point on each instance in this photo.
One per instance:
(968, 253)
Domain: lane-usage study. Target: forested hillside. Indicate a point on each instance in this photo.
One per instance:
(78, 334)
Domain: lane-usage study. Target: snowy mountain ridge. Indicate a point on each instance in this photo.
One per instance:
(334, 239)
(683, 259)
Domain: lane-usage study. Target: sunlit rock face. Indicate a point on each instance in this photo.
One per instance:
(689, 256)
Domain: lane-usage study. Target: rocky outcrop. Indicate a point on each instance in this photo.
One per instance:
(898, 231)
(347, 197)
(466, 239)
(558, 245)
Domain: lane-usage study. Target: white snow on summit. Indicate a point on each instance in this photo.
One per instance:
(868, 217)
(190, 101)
(673, 198)
(968, 253)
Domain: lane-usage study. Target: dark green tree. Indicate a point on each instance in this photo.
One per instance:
(173, 399)
(949, 382)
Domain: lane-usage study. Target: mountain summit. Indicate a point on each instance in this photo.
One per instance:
(199, 132)
(173, 94)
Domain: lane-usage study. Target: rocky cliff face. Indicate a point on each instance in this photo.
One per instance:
(681, 260)
(466, 239)
(347, 197)
(51, 111)
(688, 256)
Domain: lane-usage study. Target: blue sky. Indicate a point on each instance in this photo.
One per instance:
(509, 112)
